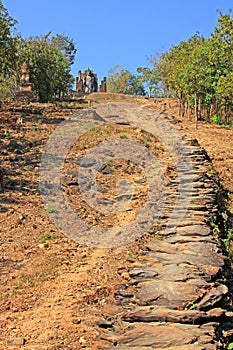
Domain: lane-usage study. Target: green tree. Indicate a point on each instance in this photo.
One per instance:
(50, 68)
(123, 81)
(150, 78)
(199, 73)
(66, 45)
(135, 86)
(118, 79)
(8, 54)
(221, 57)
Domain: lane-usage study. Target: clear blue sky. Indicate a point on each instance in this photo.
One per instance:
(110, 32)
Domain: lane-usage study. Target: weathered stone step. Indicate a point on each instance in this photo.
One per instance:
(182, 347)
(183, 239)
(189, 248)
(172, 273)
(159, 314)
(170, 294)
(163, 336)
(181, 258)
(173, 294)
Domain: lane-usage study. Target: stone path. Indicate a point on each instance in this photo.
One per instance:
(173, 294)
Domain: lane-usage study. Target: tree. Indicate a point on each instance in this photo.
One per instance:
(135, 86)
(118, 79)
(199, 73)
(50, 67)
(149, 77)
(123, 81)
(65, 45)
(8, 54)
(221, 57)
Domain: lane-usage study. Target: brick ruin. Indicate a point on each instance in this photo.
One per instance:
(25, 84)
(103, 85)
(25, 93)
(87, 82)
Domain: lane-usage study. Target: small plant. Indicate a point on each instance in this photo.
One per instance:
(216, 119)
(192, 305)
(227, 241)
(130, 255)
(123, 136)
(48, 237)
(108, 163)
(82, 146)
(52, 209)
(230, 346)
(215, 225)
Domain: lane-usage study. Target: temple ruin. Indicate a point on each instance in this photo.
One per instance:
(87, 82)
(103, 85)
(25, 93)
(25, 84)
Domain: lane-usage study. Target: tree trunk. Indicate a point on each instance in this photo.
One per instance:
(196, 110)
(189, 109)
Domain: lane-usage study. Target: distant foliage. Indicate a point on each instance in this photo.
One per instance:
(149, 77)
(199, 73)
(50, 60)
(145, 82)
(66, 46)
(123, 81)
(50, 66)
(8, 54)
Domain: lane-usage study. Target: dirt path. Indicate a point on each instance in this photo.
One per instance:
(55, 291)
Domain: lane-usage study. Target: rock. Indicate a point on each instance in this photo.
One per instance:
(216, 313)
(182, 347)
(105, 169)
(213, 297)
(142, 274)
(104, 324)
(43, 245)
(77, 321)
(170, 294)
(67, 182)
(15, 146)
(168, 272)
(228, 333)
(88, 162)
(159, 314)
(82, 341)
(16, 341)
(140, 180)
(124, 294)
(191, 259)
(3, 210)
(160, 336)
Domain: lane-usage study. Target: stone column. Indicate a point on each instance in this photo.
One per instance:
(103, 85)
